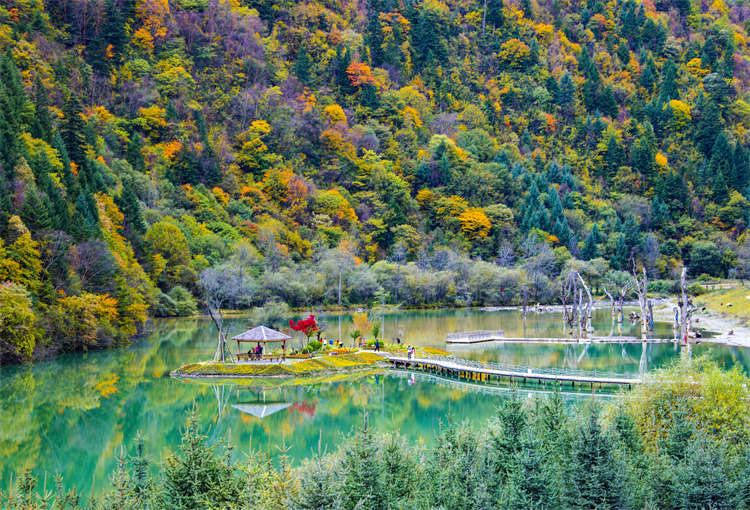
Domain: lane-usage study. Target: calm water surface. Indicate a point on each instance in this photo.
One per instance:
(71, 414)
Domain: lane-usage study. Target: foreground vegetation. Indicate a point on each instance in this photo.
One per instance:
(679, 442)
(427, 152)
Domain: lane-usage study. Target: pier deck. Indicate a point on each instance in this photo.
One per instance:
(484, 371)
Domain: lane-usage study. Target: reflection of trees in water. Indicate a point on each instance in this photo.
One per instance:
(71, 413)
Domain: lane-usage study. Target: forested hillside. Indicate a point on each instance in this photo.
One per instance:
(323, 152)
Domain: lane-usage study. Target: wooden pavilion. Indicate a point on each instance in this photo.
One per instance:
(261, 335)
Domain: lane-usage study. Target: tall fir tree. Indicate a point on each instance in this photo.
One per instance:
(41, 126)
(73, 130)
(303, 66)
(590, 248)
(709, 127)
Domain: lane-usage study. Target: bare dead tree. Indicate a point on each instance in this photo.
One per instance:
(686, 311)
(220, 287)
(588, 324)
(641, 288)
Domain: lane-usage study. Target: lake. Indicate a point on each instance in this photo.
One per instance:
(71, 414)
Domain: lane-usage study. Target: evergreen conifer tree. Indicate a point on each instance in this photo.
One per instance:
(361, 472)
(592, 468)
(590, 248)
(632, 232)
(67, 175)
(722, 157)
(709, 127)
(303, 65)
(34, 213)
(620, 258)
(562, 231)
(566, 90)
(608, 103)
(741, 167)
(669, 82)
(73, 130)
(133, 154)
(719, 191)
(41, 127)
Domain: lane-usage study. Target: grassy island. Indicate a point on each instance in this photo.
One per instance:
(321, 362)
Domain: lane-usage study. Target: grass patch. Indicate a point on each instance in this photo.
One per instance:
(330, 363)
(716, 302)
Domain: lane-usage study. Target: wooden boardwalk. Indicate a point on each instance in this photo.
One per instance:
(484, 371)
(473, 337)
(481, 388)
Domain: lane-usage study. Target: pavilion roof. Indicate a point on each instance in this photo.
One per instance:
(261, 334)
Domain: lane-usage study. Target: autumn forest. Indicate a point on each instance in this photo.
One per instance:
(323, 153)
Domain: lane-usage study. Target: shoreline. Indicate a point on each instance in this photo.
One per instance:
(719, 325)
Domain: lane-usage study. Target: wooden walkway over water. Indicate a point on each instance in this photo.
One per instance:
(475, 337)
(485, 371)
(491, 389)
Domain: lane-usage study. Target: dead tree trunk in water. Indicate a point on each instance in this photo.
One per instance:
(686, 310)
(612, 300)
(588, 328)
(525, 298)
(641, 288)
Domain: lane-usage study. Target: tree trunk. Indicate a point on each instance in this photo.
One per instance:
(222, 348)
(589, 306)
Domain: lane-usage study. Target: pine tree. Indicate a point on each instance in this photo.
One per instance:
(709, 127)
(566, 90)
(134, 154)
(533, 52)
(303, 65)
(41, 127)
(590, 249)
(592, 468)
(562, 231)
(722, 158)
(361, 471)
(669, 82)
(73, 130)
(34, 213)
(741, 167)
(719, 191)
(703, 479)
(60, 215)
(444, 168)
(608, 103)
(528, 11)
(659, 213)
(613, 158)
(131, 209)
(67, 175)
(632, 232)
(374, 36)
(620, 258)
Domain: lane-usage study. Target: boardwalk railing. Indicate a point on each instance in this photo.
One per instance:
(470, 337)
(502, 369)
(484, 389)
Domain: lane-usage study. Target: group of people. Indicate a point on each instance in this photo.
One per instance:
(256, 352)
(410, 352)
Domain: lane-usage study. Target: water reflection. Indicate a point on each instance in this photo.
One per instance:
(70, 414)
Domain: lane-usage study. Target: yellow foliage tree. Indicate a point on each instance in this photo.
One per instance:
(474, 223)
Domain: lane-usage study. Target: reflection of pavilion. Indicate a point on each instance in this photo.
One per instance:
(263, 403)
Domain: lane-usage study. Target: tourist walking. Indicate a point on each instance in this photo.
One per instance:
(408, 352)
(377, 345)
